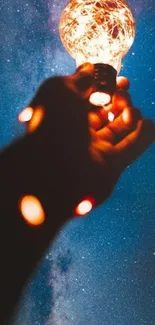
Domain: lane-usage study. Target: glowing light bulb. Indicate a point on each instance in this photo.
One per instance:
(99, 32)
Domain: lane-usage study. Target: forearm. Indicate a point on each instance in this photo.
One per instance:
(28, 167)
(23, 172)
(52, 163)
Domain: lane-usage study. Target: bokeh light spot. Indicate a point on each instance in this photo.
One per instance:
(25, 115)
(84, 207)
(32, 210)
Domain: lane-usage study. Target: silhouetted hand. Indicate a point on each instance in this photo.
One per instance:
(69, 152)
(89, 149)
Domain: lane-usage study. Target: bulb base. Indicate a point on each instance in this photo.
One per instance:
(105, 78)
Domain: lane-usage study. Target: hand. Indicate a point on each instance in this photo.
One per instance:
(90, 151)
(121, 141)
(115, 145)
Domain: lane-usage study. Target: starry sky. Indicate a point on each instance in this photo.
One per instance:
(101, 269)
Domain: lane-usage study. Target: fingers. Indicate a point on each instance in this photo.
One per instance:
(123, 83)
(124, 139)
(98, 118)
(115, 130)
(95, 121)
(85, 69)
(121, 126)
(121, 98)
(128, 149)
(81, 82)
(133, 145)
(83, 77)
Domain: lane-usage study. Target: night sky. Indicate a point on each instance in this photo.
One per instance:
(101, 269)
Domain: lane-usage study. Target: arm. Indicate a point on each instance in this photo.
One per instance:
(52, 163)
(60, 162)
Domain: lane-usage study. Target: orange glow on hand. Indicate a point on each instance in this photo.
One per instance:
(36, 119)
(84, 207)
(32, 210)
(25, 115)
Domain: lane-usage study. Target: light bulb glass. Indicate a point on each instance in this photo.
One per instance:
(97, 31)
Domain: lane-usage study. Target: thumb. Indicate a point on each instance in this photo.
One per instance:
(81, 82)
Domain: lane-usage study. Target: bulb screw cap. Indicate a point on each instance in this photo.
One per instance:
(105, 78)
